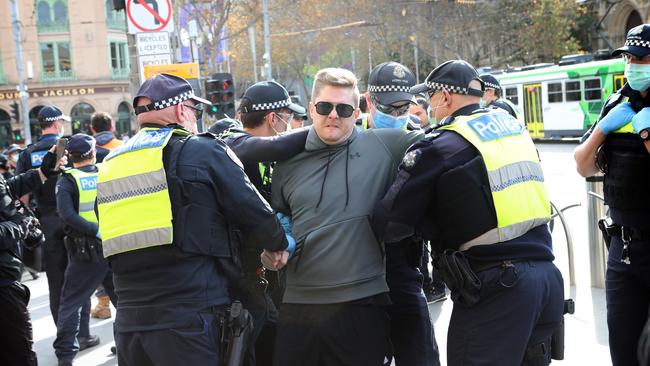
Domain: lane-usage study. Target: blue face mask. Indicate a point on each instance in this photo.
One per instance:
(383, 120)
(638, 76)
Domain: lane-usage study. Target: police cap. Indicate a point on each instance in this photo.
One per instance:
(52, 113)
(390, 83)
(12, 149)
(454, 76)
(82, 144)
(224, 124)
(267, 96)
(165, 90)
(490, 82)
(637, 42)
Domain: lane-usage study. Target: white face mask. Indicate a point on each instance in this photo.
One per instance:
(14, 158)
(286, 123)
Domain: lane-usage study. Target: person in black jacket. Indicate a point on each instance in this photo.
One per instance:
(16, 335)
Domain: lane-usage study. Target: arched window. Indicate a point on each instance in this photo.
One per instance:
(44, 17)
(123, 125)
(34, 128)
(6, 135)
(80, 115)
(60, 12)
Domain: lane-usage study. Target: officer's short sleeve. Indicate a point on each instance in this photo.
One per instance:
(23, 164)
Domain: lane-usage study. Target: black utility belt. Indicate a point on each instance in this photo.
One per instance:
(624, 232)
(84, 248)
(480, 266)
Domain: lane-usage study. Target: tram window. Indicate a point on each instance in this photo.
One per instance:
(592, 89)
(512, 95)
(555, 93)
(572, 89)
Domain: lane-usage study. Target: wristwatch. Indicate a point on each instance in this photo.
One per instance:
(644, 134)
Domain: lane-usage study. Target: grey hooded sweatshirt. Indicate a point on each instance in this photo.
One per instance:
(330, 192)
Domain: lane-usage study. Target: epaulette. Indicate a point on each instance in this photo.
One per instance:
(431, 135)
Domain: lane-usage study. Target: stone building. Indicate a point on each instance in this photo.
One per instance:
(76, 57)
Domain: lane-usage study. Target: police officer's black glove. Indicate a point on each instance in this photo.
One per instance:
(49, 165)
(33, 236)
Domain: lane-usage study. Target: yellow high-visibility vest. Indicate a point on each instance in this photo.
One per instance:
(132, 194)
(87, 186)
(514, 172)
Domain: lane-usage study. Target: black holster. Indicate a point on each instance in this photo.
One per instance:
(459, 277)
(83, 247)
(235, 331)
(557, 339)
(607, 226)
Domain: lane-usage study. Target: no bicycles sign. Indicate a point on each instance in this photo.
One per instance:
(149, 16)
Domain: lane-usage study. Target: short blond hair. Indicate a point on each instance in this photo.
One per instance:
(338, 77)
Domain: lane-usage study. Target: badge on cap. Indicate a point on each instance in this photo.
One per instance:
(399, 72)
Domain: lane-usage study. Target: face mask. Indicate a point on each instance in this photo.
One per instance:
(482, 103)
(434, 119)
(14, 158)
(638, 76)
(383, 120)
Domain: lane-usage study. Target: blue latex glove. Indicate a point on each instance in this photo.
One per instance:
(98, 236)
(292, 245)
(287, 224)
(618, 117)
(641, 120)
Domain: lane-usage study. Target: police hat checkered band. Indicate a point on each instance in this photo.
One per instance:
(173, 100)
(451, 88)
(388, 88)
(271, 106)
(637, 43)
(490, 85)
(55, 118)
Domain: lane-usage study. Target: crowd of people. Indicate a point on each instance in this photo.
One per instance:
(263, 242)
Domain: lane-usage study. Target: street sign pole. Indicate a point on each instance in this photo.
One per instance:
(24, 97)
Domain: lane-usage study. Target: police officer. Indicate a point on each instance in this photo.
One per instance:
(493, 96)
(75, 196)
(51, 121)
(411, 331)
(495, 248)
(168, 201)
(265, 110)
(15, 228)
(618, 144)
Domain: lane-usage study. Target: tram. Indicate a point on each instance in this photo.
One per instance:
(562, 100)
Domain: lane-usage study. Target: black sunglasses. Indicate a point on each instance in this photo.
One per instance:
(325, 108)
(198, 112)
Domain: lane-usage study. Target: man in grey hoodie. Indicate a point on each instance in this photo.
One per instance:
(336, 288)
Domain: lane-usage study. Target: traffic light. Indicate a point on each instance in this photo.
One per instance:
(15, 112)
(18, 137)
(220, 91)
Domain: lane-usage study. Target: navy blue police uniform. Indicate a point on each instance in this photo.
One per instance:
(172, 297)
(626, 163)
(261, 294)
(411, 331)
(86, 268)
(440, 192)
(55, 255)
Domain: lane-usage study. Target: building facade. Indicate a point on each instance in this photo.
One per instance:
(616, 18)
(75, 56)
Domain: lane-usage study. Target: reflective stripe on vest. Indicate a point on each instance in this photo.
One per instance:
(87, 187)
(514, 171)
(132, 194)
